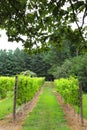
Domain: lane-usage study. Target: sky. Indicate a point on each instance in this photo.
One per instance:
(4, 44)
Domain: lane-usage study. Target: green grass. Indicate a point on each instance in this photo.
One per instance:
(47, 115)
(5, 107)
(84, 106)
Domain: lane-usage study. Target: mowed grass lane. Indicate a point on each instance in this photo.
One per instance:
(85, 105)
(6, 107)
(47, 115)
(84, 99)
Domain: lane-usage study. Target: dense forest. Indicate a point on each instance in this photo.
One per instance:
(14, 62)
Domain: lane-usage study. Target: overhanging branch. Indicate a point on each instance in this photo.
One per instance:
(74, 16)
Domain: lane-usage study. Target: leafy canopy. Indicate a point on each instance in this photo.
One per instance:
(43, 22)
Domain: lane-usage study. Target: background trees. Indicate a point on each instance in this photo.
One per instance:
(14, 62)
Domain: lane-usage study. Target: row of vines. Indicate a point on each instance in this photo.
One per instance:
(68, 89)
(6, 85)
(27, 87)
(71, 91)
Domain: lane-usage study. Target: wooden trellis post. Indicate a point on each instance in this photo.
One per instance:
(15, 95)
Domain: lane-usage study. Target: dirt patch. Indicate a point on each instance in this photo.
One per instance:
(73, 119)
(22, 113)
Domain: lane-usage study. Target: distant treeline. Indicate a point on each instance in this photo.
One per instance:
(14, 62)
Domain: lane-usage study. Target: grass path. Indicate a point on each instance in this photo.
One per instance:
(84, 106)
(5, 107)
(47, 115)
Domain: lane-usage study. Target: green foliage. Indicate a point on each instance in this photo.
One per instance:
(69, 89)
(41, 21)
(39, 65)
(12, 62)
(15, 62)
(27, 87)
(76, 66)
(6, 85)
